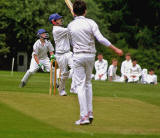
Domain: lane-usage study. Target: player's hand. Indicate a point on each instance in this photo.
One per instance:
(41, 66)
(119, 52)
(52, 57)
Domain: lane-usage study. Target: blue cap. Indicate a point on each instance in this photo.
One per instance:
(54, 17)
(41, 31)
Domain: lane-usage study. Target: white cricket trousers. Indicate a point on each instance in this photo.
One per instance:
(83, 66)
(34, 68)
(131, 79)
(65, 60)
(103, 78)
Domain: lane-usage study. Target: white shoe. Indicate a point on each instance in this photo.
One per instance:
(90, 116)
(72, 90)
(63, 93)
(83, 121)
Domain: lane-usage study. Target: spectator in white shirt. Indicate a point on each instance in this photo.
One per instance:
(101, 66)
(134, 72)
(125, 66)
(151, 77)
(112, 76)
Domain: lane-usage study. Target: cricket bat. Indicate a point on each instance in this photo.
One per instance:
(70, 6)
(51, 74)
(55, 77)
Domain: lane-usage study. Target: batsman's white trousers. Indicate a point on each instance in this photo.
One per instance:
(104, 77)
(34, 68)
(65, 60)
(83, 66)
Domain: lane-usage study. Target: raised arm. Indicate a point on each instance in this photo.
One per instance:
(105, 41)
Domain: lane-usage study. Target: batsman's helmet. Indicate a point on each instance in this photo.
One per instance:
(54, 17)
(41, 31)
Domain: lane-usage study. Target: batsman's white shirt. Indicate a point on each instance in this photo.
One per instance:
(101, 68)
(82, 32)
(64, 57)
(42, 50)
(61, 37)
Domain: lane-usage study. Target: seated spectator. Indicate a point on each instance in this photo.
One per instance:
(125, 66)
(144, 76)
(101, 66)
(112, 76)
(151, 77)
(134, 72)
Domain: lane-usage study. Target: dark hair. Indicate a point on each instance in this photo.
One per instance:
(100, 54)
(79, 7)
(151, 69)
(134, 59)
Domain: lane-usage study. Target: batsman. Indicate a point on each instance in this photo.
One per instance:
(63, 54)
(40, 59)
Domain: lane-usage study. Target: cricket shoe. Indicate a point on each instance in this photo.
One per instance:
(63, 93)
(22, 84)
(83, 121)
(90, 116)
(72, 90)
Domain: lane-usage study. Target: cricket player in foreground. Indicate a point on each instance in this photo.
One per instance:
(83, 31)
(64, 56)
(101, 66)
(40, 58)
(112, 76)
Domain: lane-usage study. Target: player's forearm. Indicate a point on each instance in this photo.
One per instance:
(101, 39)
(36, 59)
(116, 50)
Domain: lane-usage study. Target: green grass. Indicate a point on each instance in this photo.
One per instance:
(120, 110)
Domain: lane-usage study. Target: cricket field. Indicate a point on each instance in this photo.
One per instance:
(121, 110)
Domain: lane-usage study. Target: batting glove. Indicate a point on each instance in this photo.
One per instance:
(41, 66)
(52, 57)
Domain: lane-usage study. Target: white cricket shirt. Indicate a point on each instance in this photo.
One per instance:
(136, 70)
(83, 31)
(42, 50)
(126, 65)
(112, 71)
(61, 37)
(101, 66)
(152, 78)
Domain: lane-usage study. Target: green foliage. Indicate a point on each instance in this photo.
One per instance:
(20, 20)
(125, 23)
